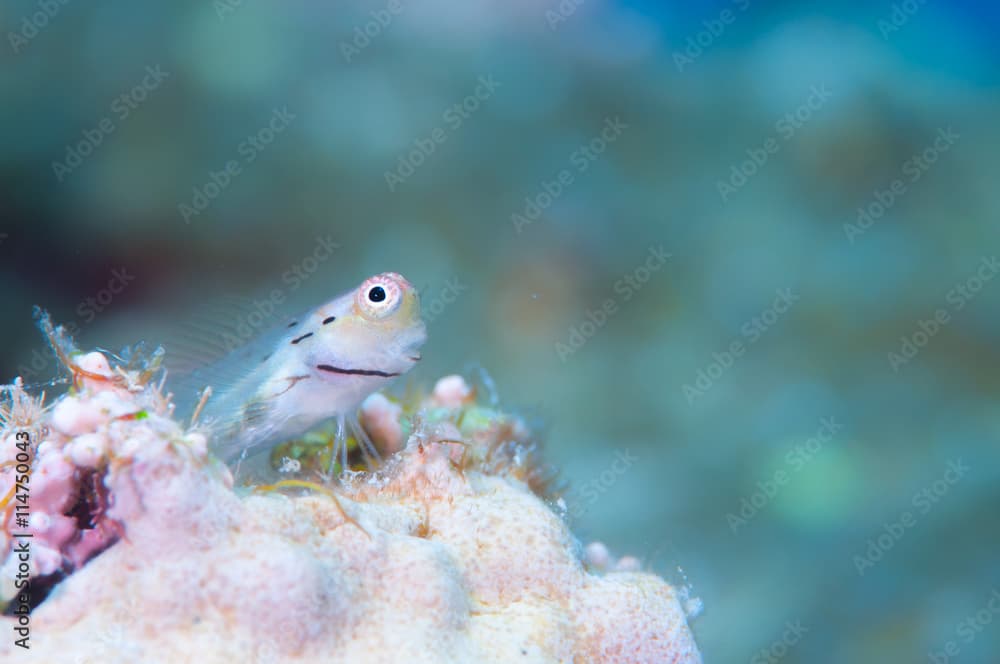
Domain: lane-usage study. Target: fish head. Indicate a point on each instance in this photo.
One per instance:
(373, 331)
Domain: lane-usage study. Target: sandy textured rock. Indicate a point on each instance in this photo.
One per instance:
(439, 561)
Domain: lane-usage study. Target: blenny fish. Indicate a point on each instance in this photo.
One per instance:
(313, 368)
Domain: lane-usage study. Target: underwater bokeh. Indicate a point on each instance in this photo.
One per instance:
(737, 258)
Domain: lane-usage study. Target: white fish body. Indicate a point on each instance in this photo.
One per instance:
(318, 366)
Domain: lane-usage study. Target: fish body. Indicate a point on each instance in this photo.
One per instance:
(317, 366)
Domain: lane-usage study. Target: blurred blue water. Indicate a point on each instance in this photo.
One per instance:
(667, 179)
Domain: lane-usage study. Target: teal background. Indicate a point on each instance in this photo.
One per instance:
(778, 306)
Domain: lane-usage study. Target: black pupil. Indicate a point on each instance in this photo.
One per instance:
(376, 294)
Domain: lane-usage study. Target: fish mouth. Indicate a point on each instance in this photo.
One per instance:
(355, 372)
(414, 358)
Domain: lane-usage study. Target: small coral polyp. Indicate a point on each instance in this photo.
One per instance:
(449, 552)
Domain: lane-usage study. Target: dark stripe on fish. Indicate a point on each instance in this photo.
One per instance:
(298, 339)
(329, 320)
(355, 372)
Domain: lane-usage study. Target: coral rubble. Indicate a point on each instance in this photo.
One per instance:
(450, 552)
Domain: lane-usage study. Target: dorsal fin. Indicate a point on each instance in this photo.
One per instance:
(220, 346)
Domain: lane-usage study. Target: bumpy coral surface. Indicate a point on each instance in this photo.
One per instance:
(448, 553)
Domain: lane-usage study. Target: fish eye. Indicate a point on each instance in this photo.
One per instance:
(379, 296)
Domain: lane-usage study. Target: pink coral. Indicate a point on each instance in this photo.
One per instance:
(444, 555)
